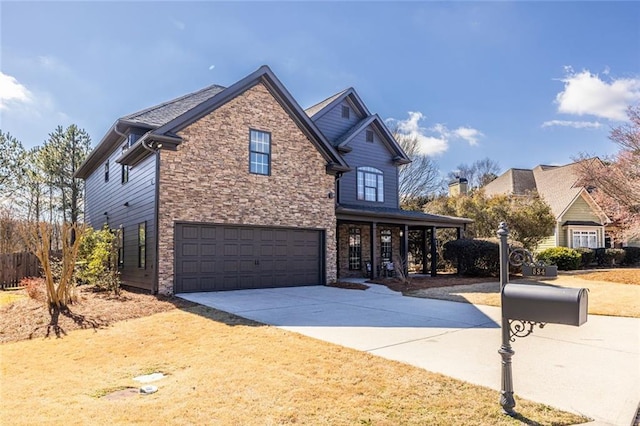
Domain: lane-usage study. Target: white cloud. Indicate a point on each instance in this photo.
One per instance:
(12, 91)
(436, 139)
(587, 94)
(468, 134)
(574, 124)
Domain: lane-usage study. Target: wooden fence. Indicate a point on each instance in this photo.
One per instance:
(16, 266)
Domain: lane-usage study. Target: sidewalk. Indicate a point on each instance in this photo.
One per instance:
(593, 370)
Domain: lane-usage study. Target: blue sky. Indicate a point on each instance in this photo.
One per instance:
(524, 83)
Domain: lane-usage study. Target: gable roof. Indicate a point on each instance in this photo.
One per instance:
(313, 110)
(559, 186)
(318, 110)
(400, 157)
(163, 121)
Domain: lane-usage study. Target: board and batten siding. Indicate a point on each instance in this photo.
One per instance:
(369, 154)
(110, 198)
(333, 125)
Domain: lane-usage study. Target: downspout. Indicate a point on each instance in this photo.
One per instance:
(337, 239)
(156, 213)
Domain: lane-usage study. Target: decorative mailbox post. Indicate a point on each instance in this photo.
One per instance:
(525, 305)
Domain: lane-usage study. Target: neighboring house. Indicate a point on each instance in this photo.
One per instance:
(580, 222)
(238, 187)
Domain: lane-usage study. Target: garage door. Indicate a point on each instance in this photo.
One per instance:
(228, 257)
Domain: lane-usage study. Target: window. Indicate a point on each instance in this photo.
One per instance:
(142, 245)
(369, 136)
(120, 245)
(345, 112)
(585, 239)
(125, 174)
(260, 152)
(385, 245)
(106, 171)
(370, 184)
(355, 248)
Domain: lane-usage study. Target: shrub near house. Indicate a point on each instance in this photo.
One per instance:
(565, 258)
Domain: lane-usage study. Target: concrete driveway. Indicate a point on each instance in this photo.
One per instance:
(593, 370)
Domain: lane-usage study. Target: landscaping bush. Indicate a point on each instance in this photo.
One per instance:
(565, 258)
(631, 256)
(587, 256)
(609, 257)
(478, 258)
(97, 260)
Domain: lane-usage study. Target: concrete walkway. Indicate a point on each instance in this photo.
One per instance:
(593, 370)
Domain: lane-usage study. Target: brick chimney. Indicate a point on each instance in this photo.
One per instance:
(458, 186)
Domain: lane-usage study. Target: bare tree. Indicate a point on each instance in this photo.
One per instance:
(421, 177)
(615, 182)
(478, 173)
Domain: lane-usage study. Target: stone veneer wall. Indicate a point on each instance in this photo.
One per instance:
(365, 235)
(207, 179)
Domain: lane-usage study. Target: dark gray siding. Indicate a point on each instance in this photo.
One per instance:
(371, 154)
(110, 197)
(333, 125)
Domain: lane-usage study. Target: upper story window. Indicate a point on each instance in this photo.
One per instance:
(370, 184)
(124, 173)
(345, 112)
(369, 136)
(106, 171)
(259, 152)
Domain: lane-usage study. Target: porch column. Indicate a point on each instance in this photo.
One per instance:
(434, 253)
(425, 247)
(458, 233)
(374, 254)
(405, 249)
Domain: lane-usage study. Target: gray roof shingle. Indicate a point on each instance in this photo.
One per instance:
(314, 109)
(163, 113)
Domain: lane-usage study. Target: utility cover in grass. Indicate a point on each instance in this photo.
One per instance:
(148, 378)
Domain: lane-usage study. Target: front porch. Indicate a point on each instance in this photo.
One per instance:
(373, 242)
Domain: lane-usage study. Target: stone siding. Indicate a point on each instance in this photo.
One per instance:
(365, 236)
(207, 179)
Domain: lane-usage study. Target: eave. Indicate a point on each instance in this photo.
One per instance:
(400, 217)
(147, 145)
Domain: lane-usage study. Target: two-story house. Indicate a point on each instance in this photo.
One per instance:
(239, 187)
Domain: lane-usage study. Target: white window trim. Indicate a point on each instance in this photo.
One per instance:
(599, 242)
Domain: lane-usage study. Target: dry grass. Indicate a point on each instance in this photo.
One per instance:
(8, 297)
(607, 296)
(619, 276)
(227, 370)
(27, 318)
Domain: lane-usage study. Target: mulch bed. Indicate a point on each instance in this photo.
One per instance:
(348, 285)
(421, 283)
(29, 318)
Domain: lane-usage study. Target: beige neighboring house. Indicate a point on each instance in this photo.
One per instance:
(580, 222)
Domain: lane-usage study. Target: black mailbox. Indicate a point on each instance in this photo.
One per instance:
(547, 304)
